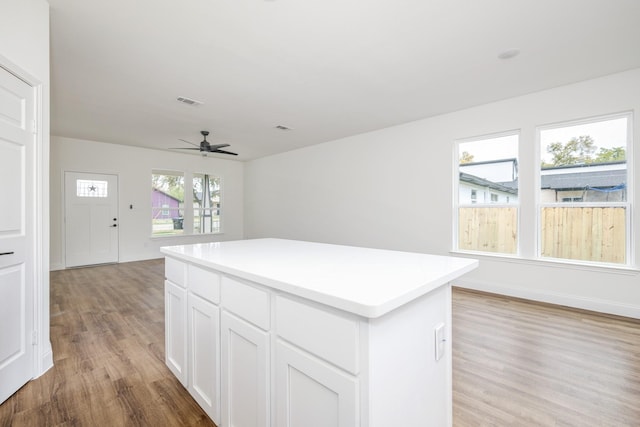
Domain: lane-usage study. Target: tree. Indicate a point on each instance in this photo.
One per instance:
(170, 184)
(613, 154)
(466, 157)
(577, 151)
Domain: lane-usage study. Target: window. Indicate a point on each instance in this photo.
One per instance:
(488, 165)
(90, 188)
(583, 201)
(174, 214)
(206, 204)
(167, 203)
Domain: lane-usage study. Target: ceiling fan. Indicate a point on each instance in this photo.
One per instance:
(205, 147)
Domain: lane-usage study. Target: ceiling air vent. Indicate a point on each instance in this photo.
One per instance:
(189, 101)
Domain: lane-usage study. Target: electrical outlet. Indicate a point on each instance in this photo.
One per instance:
(440, 340)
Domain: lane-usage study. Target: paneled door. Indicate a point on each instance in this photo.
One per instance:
(17, 218)
(91, 219)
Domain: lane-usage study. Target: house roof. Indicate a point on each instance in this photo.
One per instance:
(583, 180)
(491, 162)
(511, 187)
(167, 194)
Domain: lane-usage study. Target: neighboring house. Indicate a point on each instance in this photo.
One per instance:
(473, 189)
(594, 182)
(497, 182)
(164, 206)
(494, 181)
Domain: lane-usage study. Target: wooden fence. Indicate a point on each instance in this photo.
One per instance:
(588, 234)
(488, 229)
(580, 233)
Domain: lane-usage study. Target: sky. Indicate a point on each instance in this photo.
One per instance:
(606, 134)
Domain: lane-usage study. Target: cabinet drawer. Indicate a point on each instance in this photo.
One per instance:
(204, 283)
(326, 334)
(175, 271)
(246, 301)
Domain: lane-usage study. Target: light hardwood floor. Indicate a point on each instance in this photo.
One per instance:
(519, 363)
(516, 363)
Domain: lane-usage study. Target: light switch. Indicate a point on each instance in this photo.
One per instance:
(440, 340)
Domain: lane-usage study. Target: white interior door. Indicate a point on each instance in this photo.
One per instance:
(17, 149)
(91, 219)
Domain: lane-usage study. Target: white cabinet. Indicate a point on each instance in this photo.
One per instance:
(175, 320)
(317, 362)
(245, 373)
(204, 348)
(255, 355)
(192, 332)
(312, 393)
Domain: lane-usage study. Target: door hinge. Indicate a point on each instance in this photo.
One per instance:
(34, 337)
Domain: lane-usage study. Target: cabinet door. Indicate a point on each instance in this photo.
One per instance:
(204, 347)
(312, 393)
(175, 321)
(245, 373)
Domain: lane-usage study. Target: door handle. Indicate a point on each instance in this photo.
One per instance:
(6, 253)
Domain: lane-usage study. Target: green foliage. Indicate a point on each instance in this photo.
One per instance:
(613, 154)
(581, 150)
(466, 157)
(577, 151)
(173, 185)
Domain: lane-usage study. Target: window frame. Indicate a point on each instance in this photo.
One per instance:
(627, 204)
(484, 203)
(216, 207)
(172, 212)
(188, 209)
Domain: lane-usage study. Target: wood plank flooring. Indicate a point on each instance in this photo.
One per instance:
(516, 363)
(519, 363)
(107, 334)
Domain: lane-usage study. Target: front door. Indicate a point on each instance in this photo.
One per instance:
(17, 218)
(91, 219)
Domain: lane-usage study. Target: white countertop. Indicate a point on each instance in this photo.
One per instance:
(367, 282)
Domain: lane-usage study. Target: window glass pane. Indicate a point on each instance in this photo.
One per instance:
(90, 188)
(584, 233)
(487, 189)
(584, 163)
(583, 191)
(206, 204)
(488, 229)
(167, 203)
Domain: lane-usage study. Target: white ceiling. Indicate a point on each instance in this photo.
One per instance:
(328, 69)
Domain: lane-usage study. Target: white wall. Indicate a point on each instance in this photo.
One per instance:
(393, 189)
(24, 50)
(133, 166)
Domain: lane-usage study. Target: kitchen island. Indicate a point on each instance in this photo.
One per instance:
(271, 332)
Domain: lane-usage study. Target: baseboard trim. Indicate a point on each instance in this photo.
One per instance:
(56, 266)
(46, 361)
(593, 304)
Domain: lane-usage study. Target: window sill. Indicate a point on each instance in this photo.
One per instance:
(554, 263)
(178, 236)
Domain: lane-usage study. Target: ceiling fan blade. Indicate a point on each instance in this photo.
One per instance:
(224, 152)
(216, 146)
(188, 142)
